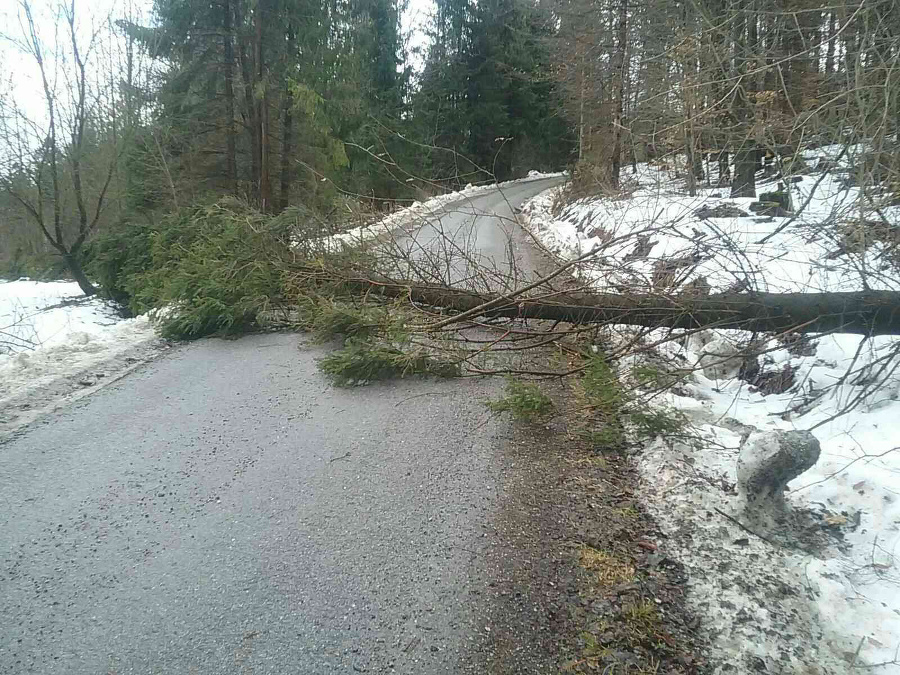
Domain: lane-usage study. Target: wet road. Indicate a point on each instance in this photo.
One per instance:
(474, 243)
(225, 510)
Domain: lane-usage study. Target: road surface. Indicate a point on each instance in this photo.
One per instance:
(225, 510)
(475, 242)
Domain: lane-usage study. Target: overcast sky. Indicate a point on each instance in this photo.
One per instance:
(21, 77)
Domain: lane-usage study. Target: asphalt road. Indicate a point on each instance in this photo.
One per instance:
(225, 510)
(476, 242)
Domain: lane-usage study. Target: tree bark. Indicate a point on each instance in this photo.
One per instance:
(724, 160)
(744, 184)
(249, 114)
(581, 77)
(689, 82)
(862, 313)
(287, 134)
(77, 271)
(231, 145)
(287, 150)
(829, 52)
(799, 28)
(745, 163)
(262, 112)
(619, 66)
(753, 47)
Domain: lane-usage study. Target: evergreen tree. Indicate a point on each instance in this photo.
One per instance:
(258, 98)
(487, 103)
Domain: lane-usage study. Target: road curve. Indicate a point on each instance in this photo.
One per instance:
(473, 236)
(225, 510)
(485, 224)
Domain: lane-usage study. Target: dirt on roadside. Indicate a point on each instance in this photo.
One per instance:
(585, 584)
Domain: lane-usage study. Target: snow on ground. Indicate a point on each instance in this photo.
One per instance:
(660, 217)
(418, 211)
(50, 332)
(822, 595)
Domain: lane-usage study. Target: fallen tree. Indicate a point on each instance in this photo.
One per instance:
(864, 313)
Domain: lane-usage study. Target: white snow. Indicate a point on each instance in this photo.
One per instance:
(727, 249)
(795, 606)
(48, 330)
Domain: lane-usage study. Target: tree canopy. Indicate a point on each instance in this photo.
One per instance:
(321, 104)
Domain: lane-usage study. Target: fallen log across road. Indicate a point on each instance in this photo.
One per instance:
(864, 313)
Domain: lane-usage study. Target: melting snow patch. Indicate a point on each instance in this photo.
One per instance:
(50, 333)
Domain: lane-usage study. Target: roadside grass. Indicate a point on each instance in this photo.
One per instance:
(624, 620)
(630, 617)
(620, 608)
(607, 568)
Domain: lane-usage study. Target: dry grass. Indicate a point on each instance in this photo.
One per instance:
(608, 570)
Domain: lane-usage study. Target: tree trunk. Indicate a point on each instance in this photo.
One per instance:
(754, 51)
(619, 73)
(262, 112)
(581, 76)
(724, 159)
(800, 35)
(230, 144)
(689, 80)
(862, 313)
(287, 150)
(829, 52)
(771, 38)
(251, 122)
(850, 48)
(745, 163)
(77, 272)
(744, 184)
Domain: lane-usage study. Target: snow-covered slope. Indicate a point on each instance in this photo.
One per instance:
(657, 223)
(826, 597)
(48, 333)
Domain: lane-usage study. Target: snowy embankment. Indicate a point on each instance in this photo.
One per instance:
(53, 341)
(820, 592)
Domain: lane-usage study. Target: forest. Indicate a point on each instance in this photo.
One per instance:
(327, 107)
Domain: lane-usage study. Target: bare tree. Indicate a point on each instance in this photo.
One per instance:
(60, 158)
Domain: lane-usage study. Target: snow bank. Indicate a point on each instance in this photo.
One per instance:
(657, 224)
(48, 330)
(836, 583)
(823, 594)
